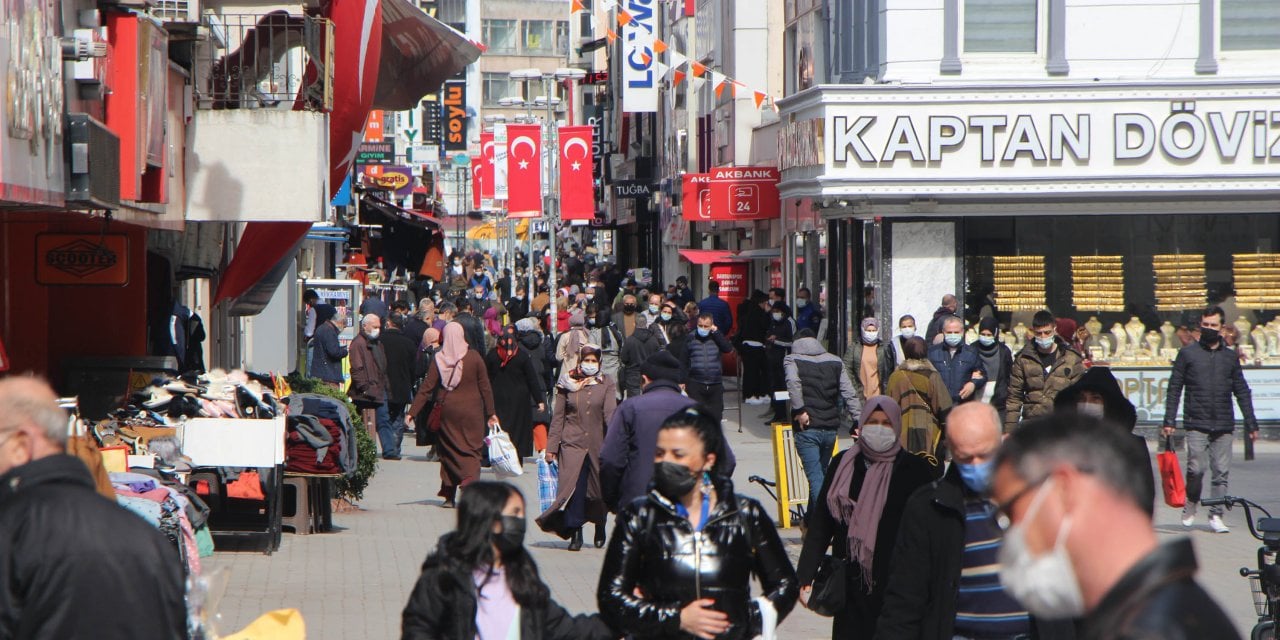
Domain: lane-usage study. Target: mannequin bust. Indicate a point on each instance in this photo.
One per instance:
(1094, 326)
(1020, 334)
(1243, 327)
(1153, 343)
(1122, 340)
(1104, 343)
(1134, 330)
(1169, 340)
(1273, 343)
(1259, 336)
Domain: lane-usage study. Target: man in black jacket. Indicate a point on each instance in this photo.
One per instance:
(1081, 542)
(705, 380)
(518, 305)
(72, 563)
(402, 355)
(636, 349)
(1210, 372)
(945, 581)
(472, 328)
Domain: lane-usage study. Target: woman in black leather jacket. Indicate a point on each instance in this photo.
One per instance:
(680, 562)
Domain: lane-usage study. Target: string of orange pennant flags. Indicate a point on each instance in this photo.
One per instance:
(677, 61)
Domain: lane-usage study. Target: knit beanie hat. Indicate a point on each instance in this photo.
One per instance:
(662, 366)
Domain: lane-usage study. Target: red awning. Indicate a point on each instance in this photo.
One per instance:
(262, 258)
(400, 214)
(707, 256)
(418, 54)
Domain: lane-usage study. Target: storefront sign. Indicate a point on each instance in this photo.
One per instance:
(376, 153)
(455, 115)
(734, 288)
(800, 144)
(396, 178)
(744, 193)
(31, 104)
(374, 126)
(1006, 141)
(632, 189)
(1147, 390)
(639, 73)
(65, 259)
(695, 196)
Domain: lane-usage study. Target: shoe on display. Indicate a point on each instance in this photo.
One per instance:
(1218, 526)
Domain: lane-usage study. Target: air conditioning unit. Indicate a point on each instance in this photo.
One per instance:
(178, 11)
(93, 159)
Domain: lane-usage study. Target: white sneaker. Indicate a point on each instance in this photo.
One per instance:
(1188, 519)
(1218, 526)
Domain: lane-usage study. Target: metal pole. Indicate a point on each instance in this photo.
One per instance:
(552, 202)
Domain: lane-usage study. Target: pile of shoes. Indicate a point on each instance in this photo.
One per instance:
(216, 394)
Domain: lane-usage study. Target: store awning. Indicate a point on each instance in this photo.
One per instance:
(418, 54)
(262, 257)
(760, 254)
(707, 256)
(396, 213)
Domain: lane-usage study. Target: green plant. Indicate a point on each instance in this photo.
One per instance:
(349, 488)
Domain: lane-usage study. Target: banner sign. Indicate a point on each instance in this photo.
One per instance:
(67, 259)
(455, 115)
(744, 193)
(396, 178)
(639, 71)
(732, 277)
(376, 153)
(577, 185)
(695, 196)
(374, 130)
(500, 191)
(1147, 390)
(524, 171)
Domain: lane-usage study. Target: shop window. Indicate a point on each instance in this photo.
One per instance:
(1250, 25)
(498, 86)
(500, 36)
(539, 37)
(1000, 26)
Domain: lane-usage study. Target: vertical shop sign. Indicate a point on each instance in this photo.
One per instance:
(639, 73)
(695, 196)
(732, 277)
(455, 115)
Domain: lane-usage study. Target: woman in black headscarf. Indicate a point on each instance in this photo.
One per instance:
(998, 361)
(517, 389)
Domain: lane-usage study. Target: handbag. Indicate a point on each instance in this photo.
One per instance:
(828, 595)
(548, 483)
(434, 411)
(1175, 489)
(502, 453)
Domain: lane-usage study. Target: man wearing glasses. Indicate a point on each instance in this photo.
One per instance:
(1041, 370)
(1079, 542)
(72, 563)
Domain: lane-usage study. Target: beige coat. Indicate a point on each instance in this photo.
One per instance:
(576, 437)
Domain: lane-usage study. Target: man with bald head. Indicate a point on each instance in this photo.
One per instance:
(72, 563)
(946, 577)
(369, 385)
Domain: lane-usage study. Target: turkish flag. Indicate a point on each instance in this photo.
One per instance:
(577, 188)
(357, 49)
(482, 172)
(524, 170)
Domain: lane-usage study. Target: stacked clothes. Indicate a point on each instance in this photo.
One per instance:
(172, 508)
(216, 394)
(312, 416)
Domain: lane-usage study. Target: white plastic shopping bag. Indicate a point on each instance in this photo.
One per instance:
(502, 454)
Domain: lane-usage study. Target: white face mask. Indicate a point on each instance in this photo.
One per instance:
(871, 337)
(374, 333)
(1046, 585)
(877, 437)
(777, 317)
(589, 369)
(1090, 409)
(908, 332)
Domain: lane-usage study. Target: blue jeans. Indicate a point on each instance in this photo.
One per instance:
(814, 447)
(388, 431)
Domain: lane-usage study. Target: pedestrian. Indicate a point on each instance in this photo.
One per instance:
(468, 408)
(704, 379)
(585, 400)
(627, 313)
(327, 351)
(958, 363)
(717, 307)
(684, 295)
(569, 344)
(681, 561)
(473, 327)
(869, 361)
(1042, 369)
(652, 310)
(987, 304)
(518, 305)
(670, 326)
(997, 362)
(310, 298)
(601, 331)
(445, 313)
(822, 394)
(945, 578)
(636, 349)
(416, 325)
(492, 327)
(480, 302)
(368, 389)
(906, 331)
(946, 309)
(778, 340)
(373, 304)
(1065, 483)
(753, 323)
(541, 301)
(1210, 374)
(481, 582)
(922, 397)
(690, 313)
(517, 389)
(808, 314)
(74, 564)
(856, 514)
(402, 354)
(480, 284)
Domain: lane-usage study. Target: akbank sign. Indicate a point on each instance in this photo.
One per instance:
(918, 142)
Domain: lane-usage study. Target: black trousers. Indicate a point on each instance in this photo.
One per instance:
(755, 376)
(710, 396)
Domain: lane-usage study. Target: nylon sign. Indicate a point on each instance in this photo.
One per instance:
(742, 193)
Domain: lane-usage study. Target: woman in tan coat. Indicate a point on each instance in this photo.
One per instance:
(923, 397)
(468, 405)
(584, 402)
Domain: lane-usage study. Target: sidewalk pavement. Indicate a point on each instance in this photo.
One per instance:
(354, 582)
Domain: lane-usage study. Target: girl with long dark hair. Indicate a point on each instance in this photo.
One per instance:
(680, 562)
(480, 583)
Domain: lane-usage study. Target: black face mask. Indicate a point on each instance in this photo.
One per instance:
(673, 481)
(512, 537)
(628, 308)
(1208, 337)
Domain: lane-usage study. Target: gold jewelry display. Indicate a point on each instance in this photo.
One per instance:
(1097, 283)
(1257, 280)
(1180, 282)
(1020, 282)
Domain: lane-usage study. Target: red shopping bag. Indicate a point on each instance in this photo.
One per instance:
(1175, 489)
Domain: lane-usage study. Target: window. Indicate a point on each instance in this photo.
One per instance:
(500, 36)
(498, 86)
(1250, 25)
(562, 37)
(539, 37)
(1000, 26)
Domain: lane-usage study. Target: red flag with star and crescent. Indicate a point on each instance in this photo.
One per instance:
(577, 186)
(482, 180)
(524, 170)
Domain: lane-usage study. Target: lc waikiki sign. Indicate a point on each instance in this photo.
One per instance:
(906, 142)
(639, 71)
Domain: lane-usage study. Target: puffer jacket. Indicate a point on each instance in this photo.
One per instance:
(1210, 377)
(819, 384)
(656, 550)
(885, 362)
(702, 357)
(957, 370)
(1032, 389)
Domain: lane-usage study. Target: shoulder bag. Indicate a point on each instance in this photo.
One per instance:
(434, 410)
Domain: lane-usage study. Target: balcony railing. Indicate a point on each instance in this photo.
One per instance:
(266, 61)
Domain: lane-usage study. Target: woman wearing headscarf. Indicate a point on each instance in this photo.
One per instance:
(517, 389)
(569, 344)
(922, 398)
(857, 516)
(468, 406)
(584, 402)
(997, 361)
